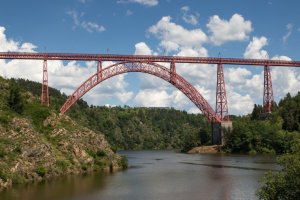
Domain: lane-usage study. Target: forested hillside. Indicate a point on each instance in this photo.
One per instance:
(133, 128)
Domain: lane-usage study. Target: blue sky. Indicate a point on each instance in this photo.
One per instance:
(240, 29)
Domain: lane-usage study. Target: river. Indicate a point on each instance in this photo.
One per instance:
(159, 174)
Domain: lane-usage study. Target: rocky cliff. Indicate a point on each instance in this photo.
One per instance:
(63, 147)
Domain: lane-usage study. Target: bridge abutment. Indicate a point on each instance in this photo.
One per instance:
(218, 131)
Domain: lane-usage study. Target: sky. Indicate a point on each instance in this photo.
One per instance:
(255, 29)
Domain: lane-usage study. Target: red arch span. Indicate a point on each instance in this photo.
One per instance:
(150, 68)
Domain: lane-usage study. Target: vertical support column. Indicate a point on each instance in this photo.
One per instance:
(45, 92)
(221, 99)
(173, 72)
(99, 69)
(268, 98)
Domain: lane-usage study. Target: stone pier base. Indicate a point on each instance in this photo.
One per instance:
(217, 131)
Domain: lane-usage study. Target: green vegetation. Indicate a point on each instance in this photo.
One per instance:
(141, 128)
(284, 184)
(15, 100)
(276, 134)
(37, 143)
(41, 171)
(124, 162)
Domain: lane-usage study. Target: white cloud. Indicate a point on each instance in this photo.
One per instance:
(289, 28)
(284, 79)
(236, 29)
(237, 75)
(152, 98)
(189, 18)
(86, 25)
(173, 35)
(142, 48)
(7, 45)
(142, 2)
(239, 104)
(254, 49)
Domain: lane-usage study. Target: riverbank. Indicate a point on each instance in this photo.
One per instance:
(205, 149)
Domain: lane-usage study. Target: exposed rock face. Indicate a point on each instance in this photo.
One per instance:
(63, 148)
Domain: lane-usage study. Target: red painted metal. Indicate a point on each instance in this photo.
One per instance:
(221, 99)
(173, 77)
(172, 71)
(99, 68)
(268, 91)
(45, 91)
(142, 58)
(150, 68)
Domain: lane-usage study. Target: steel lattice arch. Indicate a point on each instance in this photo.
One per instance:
(150, 68)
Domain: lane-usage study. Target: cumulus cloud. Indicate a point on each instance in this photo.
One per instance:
(142, 48)
(152, 98)
(174, 36)
(254, 49)
(7, 45)
(142, 2)
(284, 79)
(237, 75)
(86, 25)
(236, 29)
(239, 104)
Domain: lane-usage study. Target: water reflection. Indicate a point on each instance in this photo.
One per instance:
(61, 188)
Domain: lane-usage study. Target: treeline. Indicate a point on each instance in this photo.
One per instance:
(273, 134)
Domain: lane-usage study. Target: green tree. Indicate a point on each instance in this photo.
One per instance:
(257, 110)
(15, 100)
(284, 184)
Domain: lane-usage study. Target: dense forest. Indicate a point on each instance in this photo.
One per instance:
(163, 128)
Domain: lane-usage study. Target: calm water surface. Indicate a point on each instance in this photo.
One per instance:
(164, 175)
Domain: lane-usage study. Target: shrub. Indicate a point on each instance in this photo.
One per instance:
(15, 100)
(62, 164)
(124, 162)
(41, 171)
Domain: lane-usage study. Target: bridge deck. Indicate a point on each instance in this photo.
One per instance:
(145, 58)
